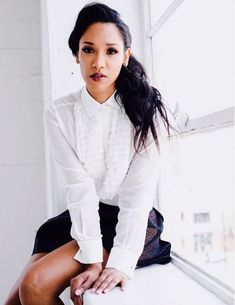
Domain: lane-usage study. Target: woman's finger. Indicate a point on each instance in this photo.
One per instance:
(104, 284)
(88, 283)
(79, 280)
(77, 284)
(84, 285)
(100, 280)
(112, 284)
(81, 299)
(109, 279)
(123, 284)
(77, 300)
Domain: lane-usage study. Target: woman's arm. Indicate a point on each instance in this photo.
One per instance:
(82, 200)
(135, 202)
(136, 199)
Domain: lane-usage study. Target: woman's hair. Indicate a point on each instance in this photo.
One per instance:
(141, 101)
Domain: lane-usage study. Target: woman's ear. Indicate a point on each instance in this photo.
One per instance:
(126, 57)
(77, 58)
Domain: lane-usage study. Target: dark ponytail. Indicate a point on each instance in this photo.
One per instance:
(140, 100)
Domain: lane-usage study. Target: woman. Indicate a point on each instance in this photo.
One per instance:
(105, 140)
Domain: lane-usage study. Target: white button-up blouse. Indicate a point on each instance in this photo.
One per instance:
(92, 145)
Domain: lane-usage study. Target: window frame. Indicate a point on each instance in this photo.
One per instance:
(217, 119)
(211, 283)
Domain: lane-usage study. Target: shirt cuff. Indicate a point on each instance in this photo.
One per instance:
(123, 260)
(90, 251)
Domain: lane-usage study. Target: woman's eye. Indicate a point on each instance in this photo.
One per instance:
(112, 51)
(87, 50)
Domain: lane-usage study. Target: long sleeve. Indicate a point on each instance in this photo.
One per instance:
(135, 202)
(81, 196)
(136, 199)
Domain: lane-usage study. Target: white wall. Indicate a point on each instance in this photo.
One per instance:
(22, 169)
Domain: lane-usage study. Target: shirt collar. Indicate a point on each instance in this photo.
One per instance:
(92, 106)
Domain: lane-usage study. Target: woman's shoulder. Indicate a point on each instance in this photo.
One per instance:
(62, 108)
(67, 100)
(61, 111)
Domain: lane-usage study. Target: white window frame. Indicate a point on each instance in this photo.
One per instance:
(187, 126)
(214, 120)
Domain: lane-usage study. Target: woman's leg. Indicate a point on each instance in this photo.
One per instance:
(13, 297)
(48, 277)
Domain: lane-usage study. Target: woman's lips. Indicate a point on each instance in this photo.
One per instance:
(97, 76)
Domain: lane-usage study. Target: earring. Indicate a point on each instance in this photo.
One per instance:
(77, 60)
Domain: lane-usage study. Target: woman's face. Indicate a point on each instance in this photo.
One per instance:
(101, 55)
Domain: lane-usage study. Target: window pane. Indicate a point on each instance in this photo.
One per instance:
(199, 212)
(157, 8)
(193, 56)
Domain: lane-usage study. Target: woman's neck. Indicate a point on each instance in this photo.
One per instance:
(101, 96)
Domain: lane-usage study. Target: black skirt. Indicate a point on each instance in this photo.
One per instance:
(55, 232)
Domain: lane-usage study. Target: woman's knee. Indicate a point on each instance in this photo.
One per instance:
(33, 286)
(44, 280)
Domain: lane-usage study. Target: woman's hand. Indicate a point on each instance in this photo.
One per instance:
(84, 281)
(109, 278)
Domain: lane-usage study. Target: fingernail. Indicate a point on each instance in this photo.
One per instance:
(106, 290)
(98, 291)
(93, 290)
(78, 291)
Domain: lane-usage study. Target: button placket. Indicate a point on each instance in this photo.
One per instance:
(103, 119)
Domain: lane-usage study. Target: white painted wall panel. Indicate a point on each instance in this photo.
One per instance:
(22, 196)
(21, 131)
(23, 34)
(21, 88)
(20, 62)
(22, 170)
(27, 10)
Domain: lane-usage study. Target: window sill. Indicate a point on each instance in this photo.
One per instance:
(157, 284)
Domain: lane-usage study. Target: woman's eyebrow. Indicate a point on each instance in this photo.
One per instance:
(107, 44)
(112, 44)
(88, 42)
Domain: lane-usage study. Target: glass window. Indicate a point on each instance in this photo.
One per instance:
(193, 66)
(199, 210)
(193, 55)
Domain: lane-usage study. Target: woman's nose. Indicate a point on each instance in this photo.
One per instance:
(98, 62)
